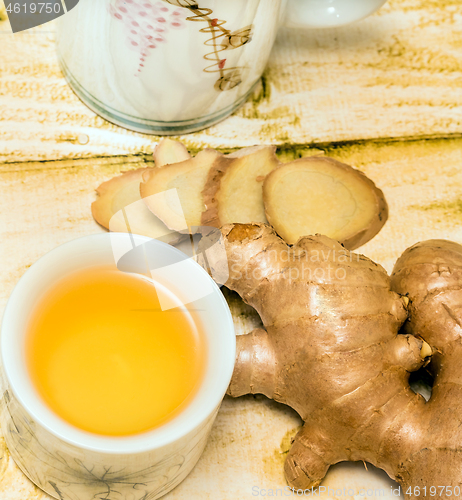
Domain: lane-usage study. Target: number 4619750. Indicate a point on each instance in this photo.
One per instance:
(434, 491)
(34, 8)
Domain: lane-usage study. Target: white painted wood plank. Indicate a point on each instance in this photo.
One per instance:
(395, 74)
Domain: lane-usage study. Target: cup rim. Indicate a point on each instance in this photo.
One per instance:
(168, 433)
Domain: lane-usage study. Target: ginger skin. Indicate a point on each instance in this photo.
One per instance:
(331, 351)
(430, 273)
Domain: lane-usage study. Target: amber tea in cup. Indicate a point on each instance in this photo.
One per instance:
(106, 358)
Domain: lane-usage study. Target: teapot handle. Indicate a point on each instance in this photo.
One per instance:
(328, 13)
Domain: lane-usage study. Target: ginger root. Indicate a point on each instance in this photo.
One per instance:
(331, 350)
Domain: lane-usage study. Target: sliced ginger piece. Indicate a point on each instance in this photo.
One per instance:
(233, 192)
(119, 208)
(321, 195)
(115, 194)
(169, 151)
(246, 151)
(174, 193)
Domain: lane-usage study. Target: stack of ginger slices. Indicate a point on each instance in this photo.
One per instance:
(182, 193)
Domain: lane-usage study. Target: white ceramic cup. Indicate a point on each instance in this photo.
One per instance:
(176, 66)
(71, 464)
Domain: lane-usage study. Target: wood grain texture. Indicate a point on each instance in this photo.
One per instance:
(395, 74)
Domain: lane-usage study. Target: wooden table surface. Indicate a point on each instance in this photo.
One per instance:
(384, 95)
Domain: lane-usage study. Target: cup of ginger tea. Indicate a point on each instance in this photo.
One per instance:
(116, 353)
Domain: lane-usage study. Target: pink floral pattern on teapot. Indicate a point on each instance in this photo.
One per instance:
(147, 24)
